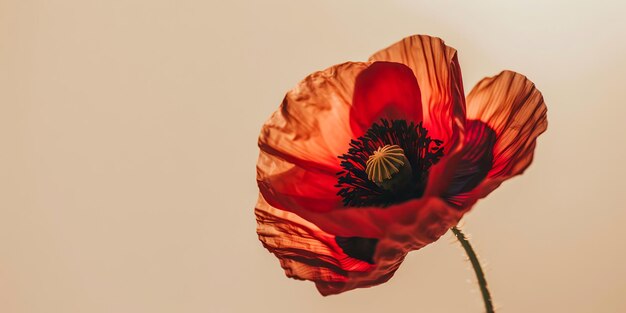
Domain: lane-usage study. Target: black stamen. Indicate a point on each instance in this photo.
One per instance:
(357, 190)
(421, 151)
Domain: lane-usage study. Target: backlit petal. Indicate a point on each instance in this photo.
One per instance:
(296, 187)
(384, 90)
(509, 106)
(436, 68)
(438, 74)
(301, 141)
(476, 160)
(311, 128)
(304, 251)
(307, 250)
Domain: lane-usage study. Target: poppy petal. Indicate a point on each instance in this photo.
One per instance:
(305, 251)
(384, 90)
(309, 250)
(476, 160)
(287, 185)
(436, 68)
(311, 128)
(301, 141)
(511, 114)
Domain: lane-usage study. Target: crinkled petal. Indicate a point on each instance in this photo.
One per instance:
(307, 249)
(476, 160)
(312, 128)
(296, 187)
(384, 90)
(438, 74)
(301, 141)
(510, 114)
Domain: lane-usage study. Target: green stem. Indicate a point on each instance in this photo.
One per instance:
(480, 275)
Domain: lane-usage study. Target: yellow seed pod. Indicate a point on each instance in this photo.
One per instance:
(384, 163)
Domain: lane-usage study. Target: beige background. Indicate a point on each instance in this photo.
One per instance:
(128, 145)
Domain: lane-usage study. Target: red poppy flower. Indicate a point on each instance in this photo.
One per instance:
(366, 161)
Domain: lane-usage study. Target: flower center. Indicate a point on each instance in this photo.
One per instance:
(389, 168)
(388, 164)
